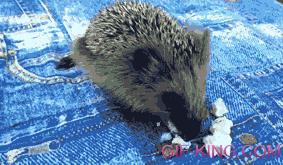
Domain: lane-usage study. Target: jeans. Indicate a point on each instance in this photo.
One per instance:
(50, 116)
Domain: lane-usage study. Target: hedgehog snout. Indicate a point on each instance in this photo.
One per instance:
(174, 103)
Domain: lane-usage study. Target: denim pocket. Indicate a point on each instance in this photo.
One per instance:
(31, 86)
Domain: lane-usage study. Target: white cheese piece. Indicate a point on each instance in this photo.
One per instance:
(165, 137)
(178, 140)
(222, 125)
(158, 124)
(219, 108)
(213, 144)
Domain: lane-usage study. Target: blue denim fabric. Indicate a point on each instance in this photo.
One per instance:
(67, 114)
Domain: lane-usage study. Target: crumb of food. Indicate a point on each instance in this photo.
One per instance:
(247, 139)
(213, 143)
(158, 124)
(165, 137)
(222, 125)
(178, 140)
(219, 108)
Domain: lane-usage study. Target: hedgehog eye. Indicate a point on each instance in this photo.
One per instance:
(148, 60)
(173, 101)
(140, 59)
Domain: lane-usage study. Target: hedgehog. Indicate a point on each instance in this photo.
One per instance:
(149, 63)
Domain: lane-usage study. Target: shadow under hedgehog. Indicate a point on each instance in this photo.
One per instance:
(148, 63)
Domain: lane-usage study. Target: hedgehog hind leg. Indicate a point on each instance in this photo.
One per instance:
(80, 54)
(65, 63)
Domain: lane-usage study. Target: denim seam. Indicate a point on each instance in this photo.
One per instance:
(17, 143)
(18, 71)
(26, 12)
(57, 20)
(3, 47)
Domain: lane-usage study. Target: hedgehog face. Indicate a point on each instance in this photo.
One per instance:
(172, 90)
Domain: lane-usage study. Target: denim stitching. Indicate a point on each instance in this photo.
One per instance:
(30, 15)
(57, 20)
(21, 73)
(263, 72)
(107, 119)
(253, 100)
(3, 46)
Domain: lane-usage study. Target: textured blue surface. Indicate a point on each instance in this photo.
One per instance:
(65, 112)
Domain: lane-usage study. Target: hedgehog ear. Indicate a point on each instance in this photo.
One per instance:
(80, 47)
(201, 44)
(205, 52)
